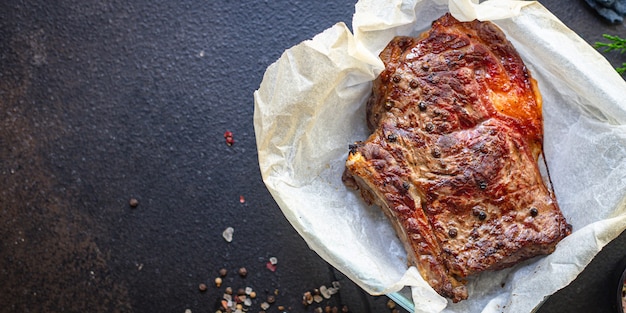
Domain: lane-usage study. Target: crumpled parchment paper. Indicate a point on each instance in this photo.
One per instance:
(311, 105)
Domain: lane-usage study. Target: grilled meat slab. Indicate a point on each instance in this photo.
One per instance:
(457, 131)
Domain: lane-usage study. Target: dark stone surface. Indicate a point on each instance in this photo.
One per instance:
(104, 101)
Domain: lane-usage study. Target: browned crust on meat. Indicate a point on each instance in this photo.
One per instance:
(452, 160)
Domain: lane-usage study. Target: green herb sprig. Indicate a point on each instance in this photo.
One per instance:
(615, 44)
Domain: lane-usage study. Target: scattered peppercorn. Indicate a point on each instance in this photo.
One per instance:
(133, 202)
(218, 282)
(202, 287)
(223, 272)
(228, 135)
(243, 272)
(271, 299)
(307, 298)
(270, 266)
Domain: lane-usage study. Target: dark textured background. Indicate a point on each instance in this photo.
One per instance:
(106, 100)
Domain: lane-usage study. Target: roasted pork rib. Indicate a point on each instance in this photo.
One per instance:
(457, 131)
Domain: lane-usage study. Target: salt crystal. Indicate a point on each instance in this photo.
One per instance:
(318, 298)
(228, 234)
(247, 302)
(265, 305)
(273, 260)
(324, 292)
(248, 290)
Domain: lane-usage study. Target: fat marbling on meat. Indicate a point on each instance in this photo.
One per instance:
(457, 131)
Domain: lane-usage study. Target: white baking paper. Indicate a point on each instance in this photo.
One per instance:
(310, 107)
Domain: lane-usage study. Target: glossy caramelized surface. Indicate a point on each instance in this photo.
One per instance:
(452, 160)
